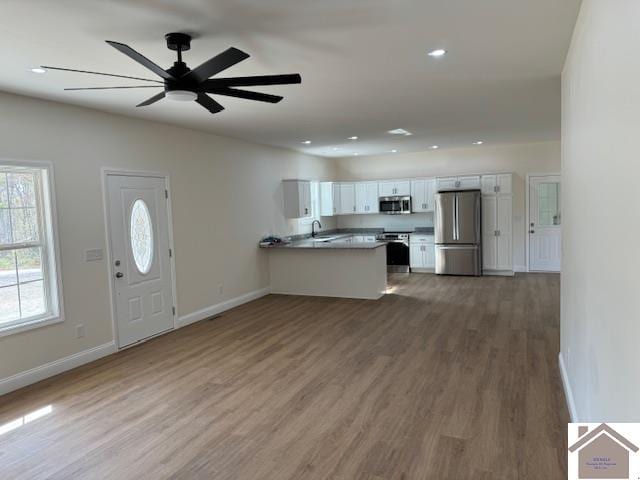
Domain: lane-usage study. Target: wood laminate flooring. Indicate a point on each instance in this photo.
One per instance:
(443, 378)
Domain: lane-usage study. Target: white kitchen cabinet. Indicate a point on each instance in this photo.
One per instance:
(467, 182)
(297, 198)
(328, 207)
(494, 184)
(422, 191)
(395, 188)
(366, 197)
(422, 252)
(347, 199)
(497, 232)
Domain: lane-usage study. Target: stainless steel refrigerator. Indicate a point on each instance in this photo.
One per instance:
(458, 233)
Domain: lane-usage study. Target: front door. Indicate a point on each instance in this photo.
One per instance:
(138, 224)
(544, 224)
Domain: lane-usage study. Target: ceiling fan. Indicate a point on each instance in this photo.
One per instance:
(184, 84)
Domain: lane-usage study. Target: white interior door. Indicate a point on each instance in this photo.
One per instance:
(544, 224)
(138, 223)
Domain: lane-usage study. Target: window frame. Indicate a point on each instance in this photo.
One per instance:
(50, 248)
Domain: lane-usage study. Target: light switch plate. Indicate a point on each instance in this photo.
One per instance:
(93, 255)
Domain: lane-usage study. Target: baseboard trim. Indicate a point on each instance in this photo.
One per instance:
(220, 307)
(520, 269)
(34, 375)
(568, 393)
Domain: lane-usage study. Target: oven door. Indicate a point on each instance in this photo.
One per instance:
(397, 257)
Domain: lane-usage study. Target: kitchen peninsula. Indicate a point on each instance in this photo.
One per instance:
(340, 266)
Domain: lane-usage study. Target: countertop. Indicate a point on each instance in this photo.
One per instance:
(340, 243)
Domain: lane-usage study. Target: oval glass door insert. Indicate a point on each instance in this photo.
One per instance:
(141, 233)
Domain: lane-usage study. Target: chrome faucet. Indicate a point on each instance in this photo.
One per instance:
(313, 225)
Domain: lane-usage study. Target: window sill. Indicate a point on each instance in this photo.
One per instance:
(30, 325)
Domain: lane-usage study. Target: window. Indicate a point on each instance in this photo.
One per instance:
(141, 236)
(29, 286)
(315, 205)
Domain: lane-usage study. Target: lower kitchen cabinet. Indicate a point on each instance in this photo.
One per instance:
(422, 253)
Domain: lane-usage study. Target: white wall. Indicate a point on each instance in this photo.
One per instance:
(519, 159)
(601, 233)
(226, 194)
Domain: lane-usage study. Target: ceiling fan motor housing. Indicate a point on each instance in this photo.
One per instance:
(178, 41)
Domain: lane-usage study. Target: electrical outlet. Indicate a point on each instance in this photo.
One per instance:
(220, 289)
(79, 331)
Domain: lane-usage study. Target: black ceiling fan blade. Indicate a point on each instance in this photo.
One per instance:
(217, 64)
(141, 59)
(247, 95)
(100, 73)
(254, 81)
(112, 88)
(209, 103)
(151, 100)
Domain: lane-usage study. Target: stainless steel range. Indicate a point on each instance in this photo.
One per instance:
(397, 251)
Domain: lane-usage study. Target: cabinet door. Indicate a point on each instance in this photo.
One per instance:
(305, 195)
(347, 199)
(429, 255)
(505, 235)
(326, 199)
(446, 183)
(503, 183)
(336, 199)
(488, 184)
(419, 196)
(469, 182)
(403, 188)
(372, 197)
(430, 191)
(416, 256)
(361, 198)
(489, 232)
(387, 188)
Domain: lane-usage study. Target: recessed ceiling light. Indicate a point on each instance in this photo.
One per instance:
(399, 131)
(394, 151)
(353, 138)
(38, 70)
(307, 142)
(439, 52)
(356, 154)
(479, 142)
(335, 149)
(434, 147)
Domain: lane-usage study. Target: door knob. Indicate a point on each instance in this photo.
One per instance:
(119, 274)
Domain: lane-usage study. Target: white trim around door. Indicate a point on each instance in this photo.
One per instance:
(106, 172)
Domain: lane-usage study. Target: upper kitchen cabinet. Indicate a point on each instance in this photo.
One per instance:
(422, 191)
(297, 198)
(395, 188)
(467, 182)
(347, 199)
(497, 184)
(329, 199)
(366, 197)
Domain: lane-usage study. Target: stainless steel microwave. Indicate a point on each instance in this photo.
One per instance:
(395, 205)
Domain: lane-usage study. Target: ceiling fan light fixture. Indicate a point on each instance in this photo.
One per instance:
(181, 95)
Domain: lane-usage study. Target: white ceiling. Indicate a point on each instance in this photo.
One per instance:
(364, 65)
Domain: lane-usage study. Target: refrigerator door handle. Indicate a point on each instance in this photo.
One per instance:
(456, 226)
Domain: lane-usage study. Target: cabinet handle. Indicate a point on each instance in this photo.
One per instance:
(495, 233)
(354, 208)
(498, 232)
